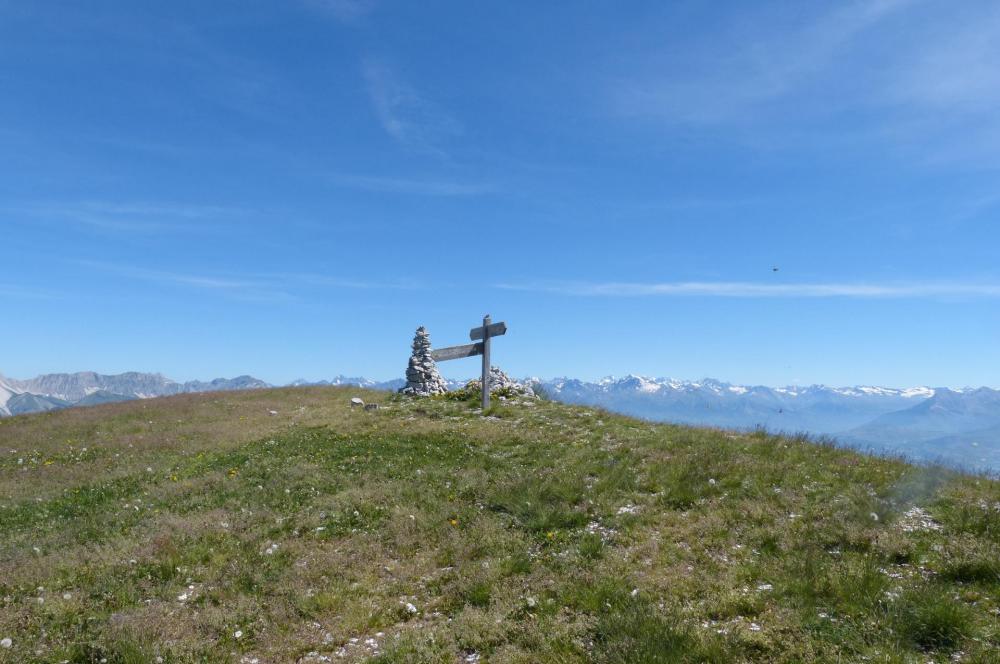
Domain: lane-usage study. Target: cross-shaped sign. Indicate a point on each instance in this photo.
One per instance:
(485, 333)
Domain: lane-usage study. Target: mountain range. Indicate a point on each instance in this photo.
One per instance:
(957, 427)
(86, 388)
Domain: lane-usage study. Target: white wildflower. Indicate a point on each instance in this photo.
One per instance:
(238, 634)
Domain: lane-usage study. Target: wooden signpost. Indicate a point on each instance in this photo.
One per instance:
(482, 335)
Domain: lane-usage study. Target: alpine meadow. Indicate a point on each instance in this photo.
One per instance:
(285, 525)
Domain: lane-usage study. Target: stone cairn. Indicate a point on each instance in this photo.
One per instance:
(501, 382)
(422, 377)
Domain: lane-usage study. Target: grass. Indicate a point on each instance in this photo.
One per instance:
(282, 525)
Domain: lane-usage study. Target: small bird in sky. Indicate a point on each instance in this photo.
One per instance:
(774, 269)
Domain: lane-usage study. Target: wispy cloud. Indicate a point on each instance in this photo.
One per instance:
(957, 69)
(742, 289)
(407, 116)
(261, 287)
(917, 76)
(18, 292)
(345, 11)
(235, 287)
(758, 65)
(421, 186)
(353, 283)
(137, 217)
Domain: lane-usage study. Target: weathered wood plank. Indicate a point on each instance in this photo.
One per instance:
(487, 331)
(495, 330)
(456, 352)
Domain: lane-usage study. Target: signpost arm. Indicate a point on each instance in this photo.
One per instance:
(486, 362)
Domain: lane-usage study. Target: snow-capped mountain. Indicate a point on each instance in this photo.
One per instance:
(51, 391)
(960, 427)
(815, 408)
(357, 381)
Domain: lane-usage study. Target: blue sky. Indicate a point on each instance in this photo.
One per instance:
(289, 188)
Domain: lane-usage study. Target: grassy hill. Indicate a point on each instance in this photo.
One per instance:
(282, 526)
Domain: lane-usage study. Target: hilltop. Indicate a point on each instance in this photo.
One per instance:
(278, 525)
(957, 427)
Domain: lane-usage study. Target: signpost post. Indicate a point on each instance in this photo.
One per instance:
(482, 335)
(486, 360)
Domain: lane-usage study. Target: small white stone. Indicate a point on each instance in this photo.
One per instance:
(6, 643)
(238, 634)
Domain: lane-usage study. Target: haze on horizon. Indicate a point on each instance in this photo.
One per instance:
(765, 194)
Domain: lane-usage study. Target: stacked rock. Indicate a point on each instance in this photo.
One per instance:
(501, 382)
(422, 377)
